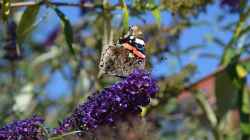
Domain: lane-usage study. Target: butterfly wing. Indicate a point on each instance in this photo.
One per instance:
(115, 61)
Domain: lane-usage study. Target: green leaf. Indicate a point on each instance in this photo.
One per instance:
(245, 128)
(241, 71)
(229, 53)
(68, 31)
(226, 93)
(230, 85)
(246, 65)
(245, 102)
(27, 21)
(125, 16)
(5, 9)
(155, 11)
(157, 14)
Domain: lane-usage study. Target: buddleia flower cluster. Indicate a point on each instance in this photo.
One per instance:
(112, 104)
(28, 129)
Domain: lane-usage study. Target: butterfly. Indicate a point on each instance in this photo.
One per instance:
(127, 54)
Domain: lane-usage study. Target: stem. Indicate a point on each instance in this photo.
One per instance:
(239, 31)
(63, 135)
(107, 35)
(244, 117)
(69, 4)
(217, 134)
(32, 3)
(206, 108)
(210, 114)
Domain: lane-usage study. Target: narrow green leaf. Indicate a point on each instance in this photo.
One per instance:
(27, 21)
(245, 102)
(157, 14)
(246, 65)
(229, 53)
(68, 31)
(191, 49)
(155, 11)
(5, 9)
(125, 16)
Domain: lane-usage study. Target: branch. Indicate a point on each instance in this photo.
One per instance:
(206, 108)
(210, 114)
(63, 135)
(69, 4)
(32, 3)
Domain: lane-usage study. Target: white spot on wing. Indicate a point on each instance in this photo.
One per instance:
(131, 37)
(139, 41)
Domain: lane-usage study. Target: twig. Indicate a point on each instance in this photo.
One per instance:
(32, 3)
(63, 135)
(210, 114)
(78, 5)
(207, 109)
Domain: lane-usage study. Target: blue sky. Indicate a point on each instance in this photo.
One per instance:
(191, 36)
(200, 35)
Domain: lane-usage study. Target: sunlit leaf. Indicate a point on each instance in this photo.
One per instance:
(27, 21)
(144, 111)
(245, 128)
(68, 31)
(5, 9)
(125, 20)
(241, 71)
(155, 11)
(229, 53)
(157, 15)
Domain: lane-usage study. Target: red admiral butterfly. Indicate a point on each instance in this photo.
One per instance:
(122, 58)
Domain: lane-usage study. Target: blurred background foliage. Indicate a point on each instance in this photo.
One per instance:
(198, 50)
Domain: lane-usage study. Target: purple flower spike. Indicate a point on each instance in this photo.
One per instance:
(28, 129)
(112, 104)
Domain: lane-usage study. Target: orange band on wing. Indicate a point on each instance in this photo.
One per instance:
(134, 50)
(139, 54)
(127, 46)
